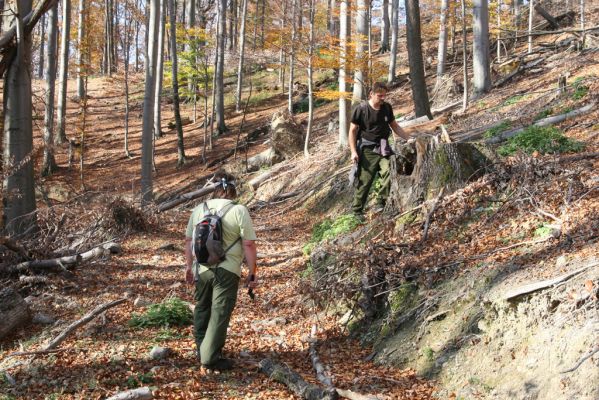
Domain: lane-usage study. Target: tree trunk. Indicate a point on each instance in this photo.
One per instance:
(481, 71)
(530, 15)
(465, 57)
(282, 50)
(174, 62)
(424, 167)
(344, 106)
(310, 79)
(582, 23)
(360, 76)
(49, 163)
(292, 56)
(19, 193)
(499, 31)
(81, 59)
(127, 43)
(442, 47)
(394, 30)
(14, 311)
(220, 68)
(148, 110)
(60, 136)
(241, 54)
(40, 67)
(137, 26)
(419, 91)
(385, 28)
(159, 71)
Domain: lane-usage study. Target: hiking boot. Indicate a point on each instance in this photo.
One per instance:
(222, 364)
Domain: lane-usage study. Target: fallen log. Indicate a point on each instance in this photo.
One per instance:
(415, 121)
(533, 287)
(260, 179)
(14, 311)
(82, 321)
(283, 374)
(143, 393)
(521, 68)
(543, 122)
(321, 374)
(186, 197)
(60, 264)
(548, 17)
(265, 158)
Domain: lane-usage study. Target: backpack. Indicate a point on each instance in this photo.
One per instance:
(207, 237)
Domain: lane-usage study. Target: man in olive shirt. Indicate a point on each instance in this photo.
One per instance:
(216, 287)
(371, 125)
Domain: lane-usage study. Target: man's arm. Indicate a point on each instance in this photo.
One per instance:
(188, 261)
(249, 251)
(353, 139)
(398, 131)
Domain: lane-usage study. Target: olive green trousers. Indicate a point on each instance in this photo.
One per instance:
(215, 297)
(370, 164)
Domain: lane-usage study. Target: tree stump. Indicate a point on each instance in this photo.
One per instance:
(287, 135)
(422, 168)
(14, 311)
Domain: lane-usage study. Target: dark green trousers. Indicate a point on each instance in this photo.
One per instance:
(370, 164)
(215, 296)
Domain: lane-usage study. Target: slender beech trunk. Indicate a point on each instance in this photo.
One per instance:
(582, 40)
(148, 110)
(360, 76)
(19, 193)
(530, 15)
(465, 57)
(310, 79)
(344, 106)
(60, 136)
(419, 90)
(442, 47)
(481, 70)
(159, 71)
(49, 163)
(385, 28)
(262, 13)
(498, 31)
(282, 50)
(220, 68)
(174, 62)
(292, 56)
(82, 51)
(126, 49)
(241, 54)
(40, 66)
(137, 26)
(334, 23)
(394, 31)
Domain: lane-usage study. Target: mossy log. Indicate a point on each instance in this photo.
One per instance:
(283, 374)
(14, 311)
(423, 167)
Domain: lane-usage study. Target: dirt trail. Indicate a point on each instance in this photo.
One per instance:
(108, 356)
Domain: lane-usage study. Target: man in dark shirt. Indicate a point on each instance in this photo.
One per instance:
(371, 125)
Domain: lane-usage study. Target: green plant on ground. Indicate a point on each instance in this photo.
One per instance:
(399, 115)
(401, 298)
(140, 379)
(329, 229)
(168, 334)
(494, 131)
(543, 114)
(543, 230)
(543, 139)
(171, 312)
(514, 99)
(429, 354)
(580, 90)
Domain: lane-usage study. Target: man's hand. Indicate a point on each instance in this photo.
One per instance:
(189, 275)
(251, 282)
(355, 157)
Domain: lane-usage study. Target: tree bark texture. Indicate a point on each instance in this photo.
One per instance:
(220, 68)
(481, 70)
(159, 71)
(14, 311)
(19, 198)
(394, 31)
(49, 163)
(360, 73)
(148, 110)
(421, 169)
(42, 58)
(292, 56)
(442, 46)
(174, 67)
(419, 90)
(344, 104)
(65, 41)
(386, 27)
(81, 51)
(310, 79)
(241, 55)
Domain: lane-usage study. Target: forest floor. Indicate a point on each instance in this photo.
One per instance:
(107, 355)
